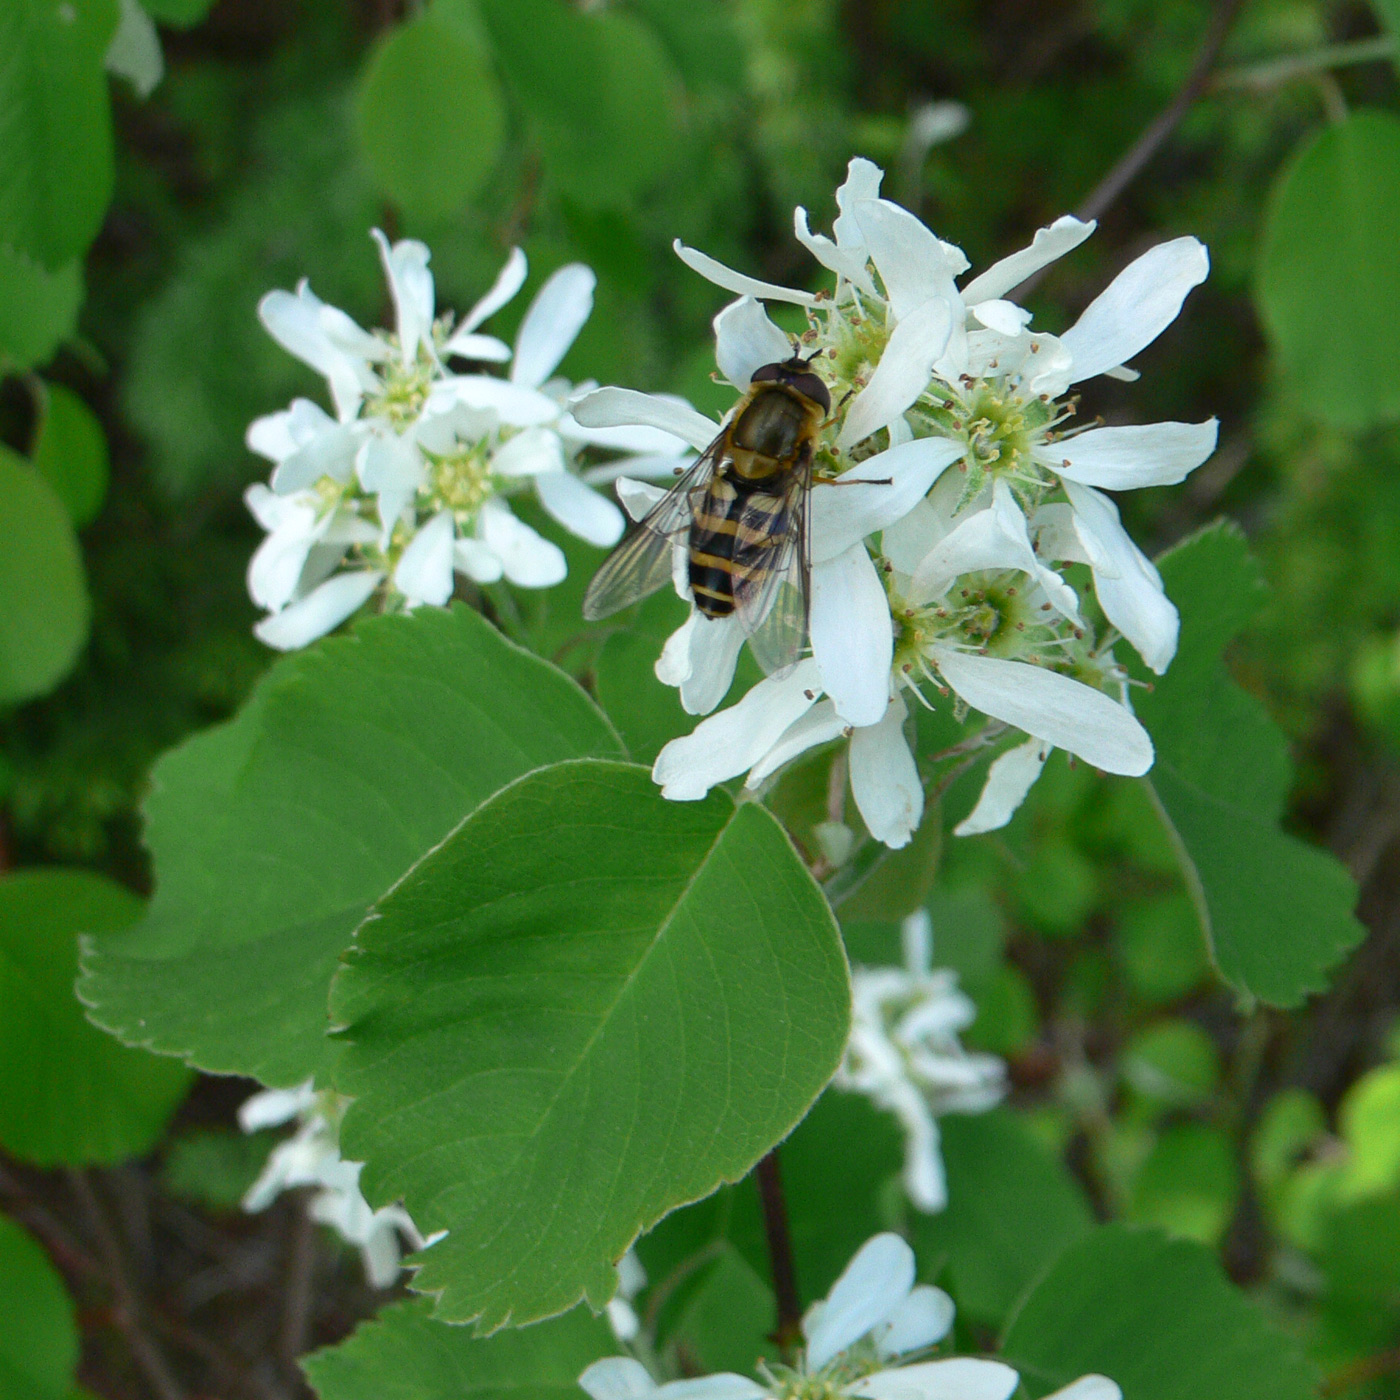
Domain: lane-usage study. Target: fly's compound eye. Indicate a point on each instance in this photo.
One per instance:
(767, 374)
(810, 386)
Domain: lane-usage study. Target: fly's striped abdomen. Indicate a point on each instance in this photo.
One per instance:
(733, 534)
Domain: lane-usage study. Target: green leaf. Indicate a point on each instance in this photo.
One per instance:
(69, 1095)
(179, 14)
(1189, 1183)
(605, 140)
(1276, 912)
(431, 118)
(1160, 947)
(619, 1002)
(215, 1166)
(38, 308)
(43, 596)
(55, 125)
(38, 1332)
(70, 453)
(1331, 224)
(272, 835)
(1172, 1061)
(403, 1354)
(1156, 1315)
(1012, 1210)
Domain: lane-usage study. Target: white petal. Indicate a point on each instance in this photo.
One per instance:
(861, 185)
(958, 1378)
(1088, 1388)
(528, 453)
(745, 340)
(509, 280)
(579, 508)
(1004, 317)
(1009, 779)
(870, 1291)
(1048, 245)
(296, 323)
(322, 610)
(476, 560)
(922, 1319)
(1120, 459)
(276, 567)
(1136, 307)
(638, 497)
(907, 542)
(424, 572)
(737, 282)
(275, 435)
(885, 780)
(552, 323)
(610, 408)
(852, 638)
(1062, 711)
(617, 1378)
(631, 438)
(818, 726)
(913, 264)
(411, 284)
(388, 462)
(724, 1385)
(732, 741)
(529, 560)
(1055, 537)
(517, 404)
(270, 1108)
(699, 657)
(848, 262)
(994, 538)
(844, 513)
(1128, 585)
(330, 453)
(471, 345)
(903, 373)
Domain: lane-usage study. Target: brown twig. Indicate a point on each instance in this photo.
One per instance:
(296, 1299)
(1156, 133)
(126, 1310)
(775, 1227)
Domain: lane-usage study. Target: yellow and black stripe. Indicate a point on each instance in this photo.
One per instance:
(733, 537)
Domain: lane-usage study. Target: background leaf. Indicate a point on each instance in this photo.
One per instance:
(43, 597)
(430, 116)
(38, 308)
(55, 127)
(1329, 284)
(70, 453)
(616, 1001)
(1277, 912)
(38, 1337)
(403, 1354)
(69, 1094)
(273, 834)
(1156, 1315)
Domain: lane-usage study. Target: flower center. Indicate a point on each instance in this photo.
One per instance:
(460, 481)
(405, 390)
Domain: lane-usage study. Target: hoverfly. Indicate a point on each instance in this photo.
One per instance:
(741, 510)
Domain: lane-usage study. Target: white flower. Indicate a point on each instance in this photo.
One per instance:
(311, 1157)
(407, 484)
(947, 579)
(855, 1338)
(904, 1054)
(631, 1279)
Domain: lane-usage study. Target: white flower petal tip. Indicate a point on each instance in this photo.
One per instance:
(638, 497)
(1088, 1388)
(923, 1318)
(871, 1289)
(1123, 459)
(1136, 307)
(1009, 779)
(1048, 245)
(509, 280)
(885, 778)
(852, 636)
(903, 372)
(411, 286)
(957, 1378)
(579, 508)
(527, 558)
(552, 323)
(270, 1108)
(321, 611)
(737, 282)
(1061, 711)
(746, 340)
(424, 572)
(617, 1378)
(611, 408)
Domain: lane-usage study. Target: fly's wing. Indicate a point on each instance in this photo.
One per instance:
(642, 562)
(772, 575)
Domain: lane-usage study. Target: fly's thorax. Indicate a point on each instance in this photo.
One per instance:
(773, 432)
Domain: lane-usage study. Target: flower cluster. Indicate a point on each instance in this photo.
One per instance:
(311, 1157)
(860, 1341)
(904, 1054)
(967, 491)
(407, 484)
